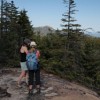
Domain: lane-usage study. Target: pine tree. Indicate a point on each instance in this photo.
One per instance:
(69, 26)
(9, 31)
(14, 26)
(25, 27)
(2, 18)
(74, 44)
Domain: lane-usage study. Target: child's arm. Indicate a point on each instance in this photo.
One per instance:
(38, 54)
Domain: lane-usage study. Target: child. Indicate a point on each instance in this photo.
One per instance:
(33, 67)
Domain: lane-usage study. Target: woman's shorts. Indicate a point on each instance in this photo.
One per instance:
(23, 66)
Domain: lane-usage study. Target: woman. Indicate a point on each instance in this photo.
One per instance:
(23, 53)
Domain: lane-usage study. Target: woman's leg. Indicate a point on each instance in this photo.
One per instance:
(26, 77)
(21, 76)
(23, 73)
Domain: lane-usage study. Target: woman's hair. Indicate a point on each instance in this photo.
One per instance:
(24, 44)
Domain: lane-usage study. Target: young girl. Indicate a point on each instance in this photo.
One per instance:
(31, 69)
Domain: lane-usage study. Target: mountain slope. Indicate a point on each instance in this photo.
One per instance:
(43, 30)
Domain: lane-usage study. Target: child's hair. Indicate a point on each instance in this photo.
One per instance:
(30, 48)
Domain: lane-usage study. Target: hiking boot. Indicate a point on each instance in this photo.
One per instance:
(35, 91)
(8, 94)
(30, 92)
(38, 90)
(19, 86)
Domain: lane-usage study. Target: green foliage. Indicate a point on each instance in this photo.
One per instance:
(24, 25)
(80, 63)
(15, 27)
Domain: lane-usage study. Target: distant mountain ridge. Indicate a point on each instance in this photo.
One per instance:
(96, 34)
(43, 30)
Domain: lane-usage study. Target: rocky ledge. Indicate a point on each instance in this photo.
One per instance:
(52, 88)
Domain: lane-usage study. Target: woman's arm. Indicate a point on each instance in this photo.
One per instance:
(24, 49)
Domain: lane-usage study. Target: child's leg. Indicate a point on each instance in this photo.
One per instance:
(37, 77)
(31, 78)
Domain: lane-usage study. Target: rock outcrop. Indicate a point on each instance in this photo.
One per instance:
(52, 88)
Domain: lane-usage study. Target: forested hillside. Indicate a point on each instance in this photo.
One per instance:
(72, 55)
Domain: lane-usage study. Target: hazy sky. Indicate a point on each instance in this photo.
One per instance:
(49, 12)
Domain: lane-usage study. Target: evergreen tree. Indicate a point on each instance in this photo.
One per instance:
(2, 18)
(74, 44)
(69, 26)
(14, 26)
(9, 31)
(25, 27)
(9, 17)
